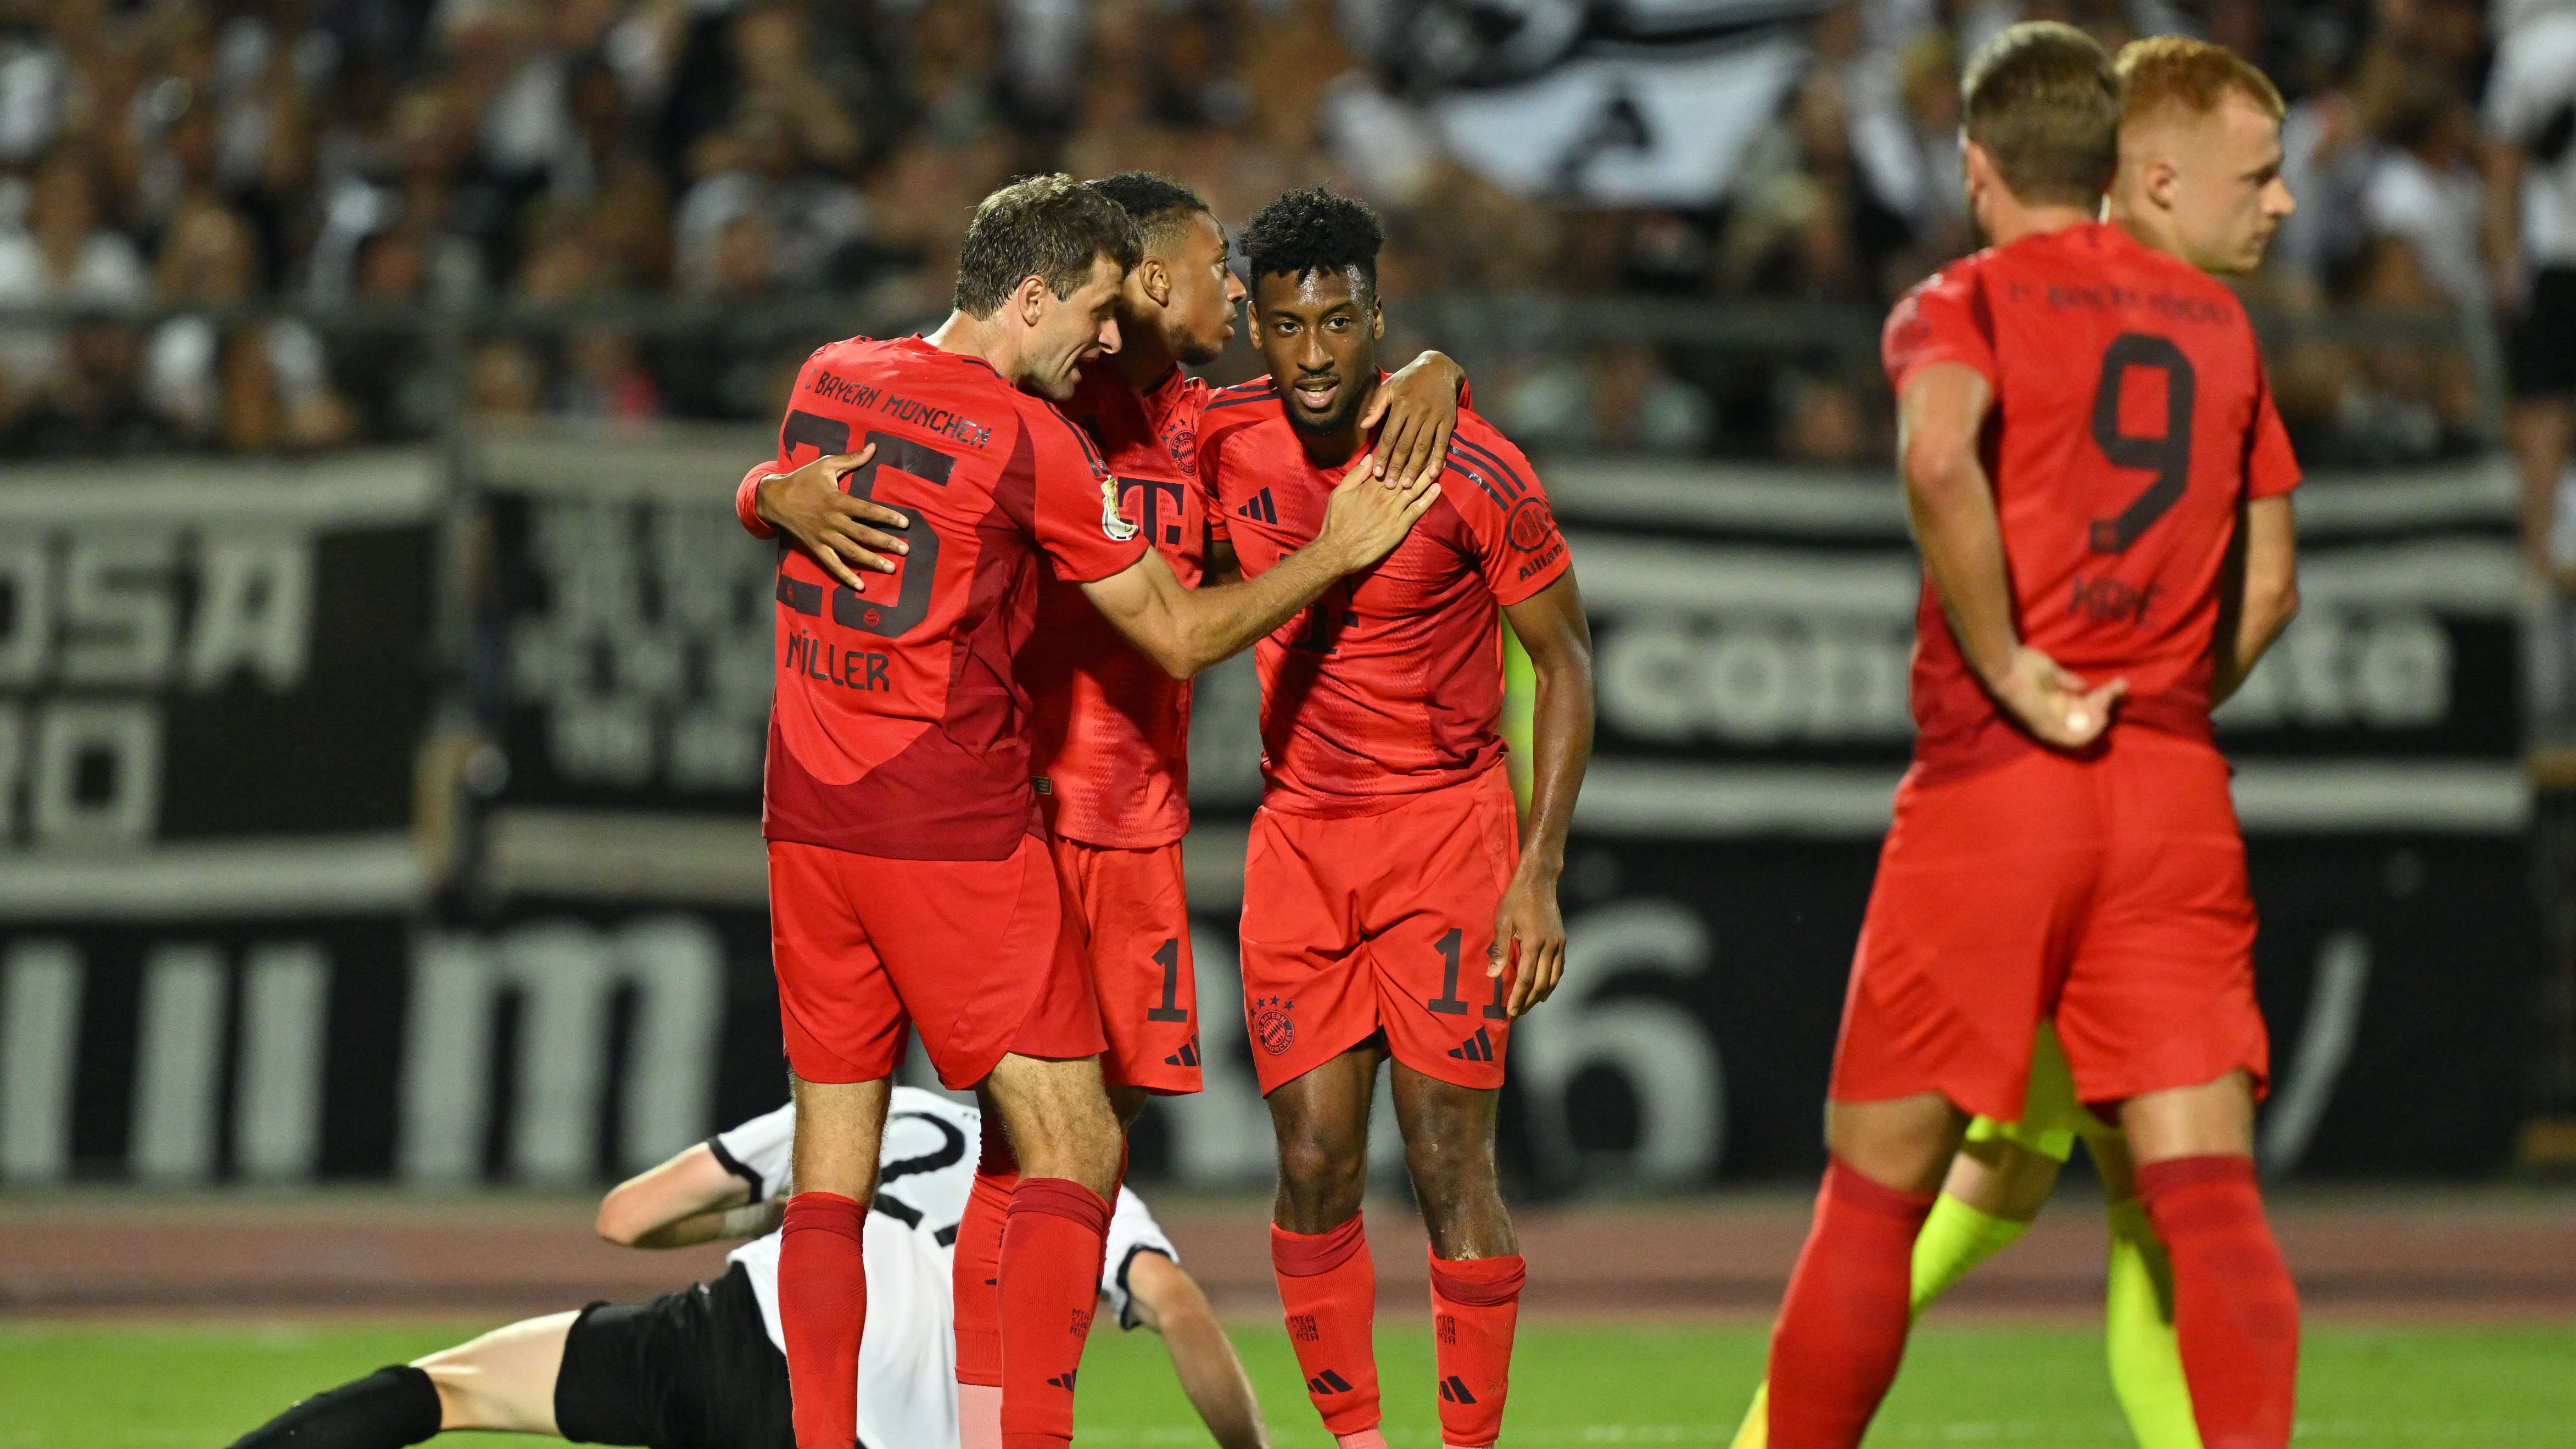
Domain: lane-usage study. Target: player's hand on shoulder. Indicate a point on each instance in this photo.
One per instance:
(1529, 933)
(1363, 521)
(838, 530)
(1414, 412)
(2056, 706)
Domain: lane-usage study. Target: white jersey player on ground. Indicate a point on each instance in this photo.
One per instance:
(705, 1367)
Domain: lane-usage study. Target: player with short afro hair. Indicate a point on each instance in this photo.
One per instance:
(1311, 231)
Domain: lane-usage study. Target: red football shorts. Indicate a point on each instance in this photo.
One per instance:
(2106, 894)
(1135, 920)
(978, 956)
(1357, 925)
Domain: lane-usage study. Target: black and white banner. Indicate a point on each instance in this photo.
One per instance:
(219, 956)
(214, 683)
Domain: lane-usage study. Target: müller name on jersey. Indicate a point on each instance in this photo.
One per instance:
(848, 668)
(830, 384)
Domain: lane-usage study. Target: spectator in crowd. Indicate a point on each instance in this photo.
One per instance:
(250, 386)
(722, 155)
(62, 254)
(1617, 399)
(2531, 258)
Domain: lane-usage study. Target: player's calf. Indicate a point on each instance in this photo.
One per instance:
(1318, 1249)
(1053, 1238)
(2236, 1312)
(1476, 1267)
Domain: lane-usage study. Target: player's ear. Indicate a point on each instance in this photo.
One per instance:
(2163, 178)
(1155, 280)
(1030, 298)
(1377, 319)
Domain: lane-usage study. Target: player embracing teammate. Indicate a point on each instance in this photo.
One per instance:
(2100, 488)
(911, 884)
(1392, 908)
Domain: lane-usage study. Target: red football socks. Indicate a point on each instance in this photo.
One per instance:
(822, 1307)
(1842, 1329)
(2236, 1313)
(1328, 1285)
(975, 1280)
(1475, 1303)
(1052, 1244)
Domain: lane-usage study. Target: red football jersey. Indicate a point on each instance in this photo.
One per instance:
(900, 726)
(1391, 684)
(1111, 734)
(2131, 419)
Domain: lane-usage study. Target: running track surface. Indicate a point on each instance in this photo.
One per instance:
(2495, 1255)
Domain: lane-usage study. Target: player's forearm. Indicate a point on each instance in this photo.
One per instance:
(2259, 621)
(1215, 623)
(1561, 742)
(733, 1224)
(1213, 1378)
(1952, 509)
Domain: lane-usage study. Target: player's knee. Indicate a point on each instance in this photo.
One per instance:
(462, 1404)
(1070, 1137)
(1322, 1175)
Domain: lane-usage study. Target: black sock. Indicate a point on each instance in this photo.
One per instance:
(387, 1409)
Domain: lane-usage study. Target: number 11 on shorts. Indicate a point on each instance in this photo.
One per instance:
(1448, 1002)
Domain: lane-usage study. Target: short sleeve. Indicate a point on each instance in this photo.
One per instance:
(1132, 1230)
(1511, 530)
(2271, 468)
(746, 500)
(1943, 320)
(1075, 509)
(759, 1151)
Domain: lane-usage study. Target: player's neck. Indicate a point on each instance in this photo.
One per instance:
(1144, 357)
(2008, 221)
(2144, 227)
(983, 338)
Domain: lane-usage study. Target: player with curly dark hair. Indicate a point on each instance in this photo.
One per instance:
(1386, 862)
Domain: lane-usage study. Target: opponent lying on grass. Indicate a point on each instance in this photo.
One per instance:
(703, 1368)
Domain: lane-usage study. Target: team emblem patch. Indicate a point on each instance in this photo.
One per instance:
(1530, 525)
(1271, 1025)
(1113, 522)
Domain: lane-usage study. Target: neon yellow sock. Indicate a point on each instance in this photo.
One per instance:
(1955, 1239)
(2146, 1365)
(1756, 1432)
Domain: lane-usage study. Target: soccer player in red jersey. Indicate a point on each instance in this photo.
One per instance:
(2199, 178)
(2099, 484)
(1386, 863)
(909, 881)
(1110, 730)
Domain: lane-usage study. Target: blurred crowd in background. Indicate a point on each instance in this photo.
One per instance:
(248, 205)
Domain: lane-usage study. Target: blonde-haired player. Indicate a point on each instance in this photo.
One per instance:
(2199, 178)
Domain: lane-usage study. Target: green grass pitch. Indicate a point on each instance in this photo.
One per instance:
(122, 1387)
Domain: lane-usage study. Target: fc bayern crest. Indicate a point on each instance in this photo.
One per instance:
(1272, 1026)
(1112, 522)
